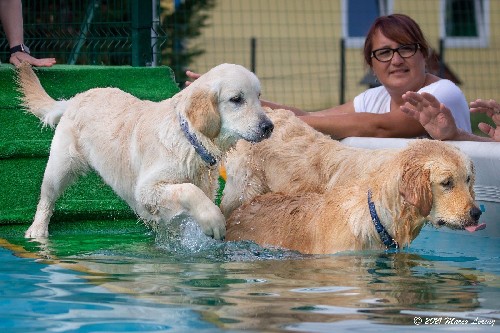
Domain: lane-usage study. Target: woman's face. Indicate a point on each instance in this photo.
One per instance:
(399, 74)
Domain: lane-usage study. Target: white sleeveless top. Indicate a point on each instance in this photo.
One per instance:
(378, 100)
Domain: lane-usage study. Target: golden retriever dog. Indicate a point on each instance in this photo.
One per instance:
(160, 157)
(386, 208)
(295, 159)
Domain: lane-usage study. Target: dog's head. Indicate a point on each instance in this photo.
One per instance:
(438, 180)
(224, 105)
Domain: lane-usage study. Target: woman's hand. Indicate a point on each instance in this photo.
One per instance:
(492, 109)
(436, 118)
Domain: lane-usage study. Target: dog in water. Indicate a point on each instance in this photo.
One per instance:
(160, 157)
(302, 190)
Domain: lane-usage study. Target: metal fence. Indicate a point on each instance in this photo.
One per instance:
(295, 46)
(306, 53)
(96, 32)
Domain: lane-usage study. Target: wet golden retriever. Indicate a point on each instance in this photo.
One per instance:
(426, 181)
(160, 157)
(295, 159)
(320, 192)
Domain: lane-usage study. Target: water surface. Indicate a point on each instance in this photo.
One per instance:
(130, 279)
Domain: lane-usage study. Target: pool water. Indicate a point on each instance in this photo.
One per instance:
(129, 279)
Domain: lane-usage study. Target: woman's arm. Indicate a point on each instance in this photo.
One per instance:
(394, 124)
(340, 109)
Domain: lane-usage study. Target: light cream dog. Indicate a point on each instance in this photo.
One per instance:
(161, 158)
(386, 208)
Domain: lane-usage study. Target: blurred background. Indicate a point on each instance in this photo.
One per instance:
(306, 53)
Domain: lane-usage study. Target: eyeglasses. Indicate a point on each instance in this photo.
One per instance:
(405, 51)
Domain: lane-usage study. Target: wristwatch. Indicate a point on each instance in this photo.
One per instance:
(19, 48)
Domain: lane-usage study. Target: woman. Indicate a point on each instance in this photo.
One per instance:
(396, 51)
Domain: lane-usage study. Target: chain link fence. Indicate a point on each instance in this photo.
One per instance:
(95, 32)
(307, 53)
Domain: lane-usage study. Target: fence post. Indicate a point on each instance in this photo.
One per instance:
(253, 49)
(84, 28)
(342, 72)
(141, 33)
(441, 58)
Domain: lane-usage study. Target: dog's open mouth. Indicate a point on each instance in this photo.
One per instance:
(470, 227)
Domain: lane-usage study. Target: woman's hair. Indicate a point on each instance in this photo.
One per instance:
(398, 27)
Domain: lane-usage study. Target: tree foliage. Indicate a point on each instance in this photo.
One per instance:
(182, 22)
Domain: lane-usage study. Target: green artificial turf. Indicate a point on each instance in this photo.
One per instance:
(24, 144)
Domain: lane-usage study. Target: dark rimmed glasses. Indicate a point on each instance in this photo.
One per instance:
(405, 51)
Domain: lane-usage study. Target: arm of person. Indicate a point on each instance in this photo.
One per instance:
(436, 118)
(340, 109)
(11, 15)
(394, 124)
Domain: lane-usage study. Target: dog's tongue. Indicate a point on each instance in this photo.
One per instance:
(473, 228)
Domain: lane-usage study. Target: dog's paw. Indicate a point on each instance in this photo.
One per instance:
(213, 223)
(37, 231)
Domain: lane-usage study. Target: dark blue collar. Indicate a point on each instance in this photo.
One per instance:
(387, 239)
(198, 146)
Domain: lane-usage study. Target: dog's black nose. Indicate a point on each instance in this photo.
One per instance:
(475, 213)
(266, 128)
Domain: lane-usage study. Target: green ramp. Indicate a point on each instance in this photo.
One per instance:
(24, 144)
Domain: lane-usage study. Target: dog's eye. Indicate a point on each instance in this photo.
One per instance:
(468, 179)
(448, 183)
(237, 99)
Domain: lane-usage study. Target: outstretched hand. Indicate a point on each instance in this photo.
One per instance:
(492, 109)
(18, 58)
(434, 116)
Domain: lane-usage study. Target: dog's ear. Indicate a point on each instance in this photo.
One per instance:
(203, 113)
(415, 187)
(472, 180)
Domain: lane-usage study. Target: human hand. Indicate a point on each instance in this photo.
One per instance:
(434, 116)
(19, 57)
(492, 109)
(193, 76)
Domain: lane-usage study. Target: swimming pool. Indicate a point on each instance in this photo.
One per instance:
(126, 279)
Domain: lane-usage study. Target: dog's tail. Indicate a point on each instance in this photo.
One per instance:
(35, 99)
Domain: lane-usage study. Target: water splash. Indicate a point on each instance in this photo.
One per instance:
(184, 239)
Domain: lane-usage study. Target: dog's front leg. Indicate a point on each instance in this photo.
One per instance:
(164, 201)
